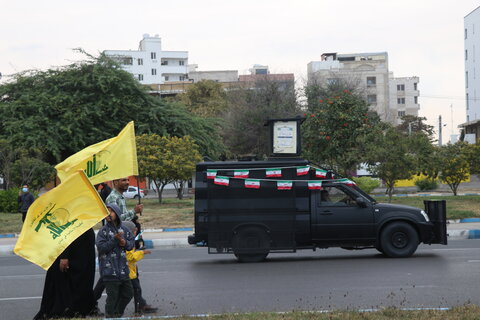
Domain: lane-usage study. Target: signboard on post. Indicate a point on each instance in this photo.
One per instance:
(285, 138)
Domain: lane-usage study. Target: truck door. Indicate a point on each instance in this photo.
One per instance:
(338, 218)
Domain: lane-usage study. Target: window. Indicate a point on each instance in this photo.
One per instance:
(153, 55)
(140, 61)
(400, 87)
(166, 78)
(401, 113)
(181, 63)
(372, 99)
(164, 62)
(182, 78)
(154, 72)
(467, 102)
(466, 54)
(466, 79)
(335, 196)
(415, 100)
(415, 86)
(140, 77)
(465, 33)
(371, 81)
(332, 81)
(401, 100)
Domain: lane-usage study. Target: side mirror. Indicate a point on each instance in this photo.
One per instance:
(361, 202)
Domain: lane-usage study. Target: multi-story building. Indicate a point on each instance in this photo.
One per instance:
(472, 85)
(261, 74)
(150, 64)
(215, 75)
(369, 73)
(403, 97)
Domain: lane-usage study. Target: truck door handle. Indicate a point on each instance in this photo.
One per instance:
(326, 213)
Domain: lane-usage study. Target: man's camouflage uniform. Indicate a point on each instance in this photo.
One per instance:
(117, 198)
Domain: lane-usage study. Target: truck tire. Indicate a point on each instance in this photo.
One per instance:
(399, 240)
(254, 239)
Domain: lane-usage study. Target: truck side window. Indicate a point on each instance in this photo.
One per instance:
(334, 196)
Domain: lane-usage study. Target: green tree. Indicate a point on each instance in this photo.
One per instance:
(454, 165)
(166, 159)
(338, 129)
(205, 98)
(413, 124)
(61, 111)
(8, 155)
(389, 158)
(472, 155)
(250, 105)
(32, 171)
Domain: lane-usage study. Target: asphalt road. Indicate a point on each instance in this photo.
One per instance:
(189, 281)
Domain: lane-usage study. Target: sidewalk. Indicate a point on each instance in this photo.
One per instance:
(177, 238)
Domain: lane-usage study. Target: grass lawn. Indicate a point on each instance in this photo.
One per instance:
(174, 213)
(468, 312)
(458, 207)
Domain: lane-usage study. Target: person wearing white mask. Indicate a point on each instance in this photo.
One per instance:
(25, 200)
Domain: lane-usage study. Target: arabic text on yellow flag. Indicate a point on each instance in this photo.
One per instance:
(57, 218)
(110, 159)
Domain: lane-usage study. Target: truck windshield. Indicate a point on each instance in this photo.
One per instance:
(364, 194)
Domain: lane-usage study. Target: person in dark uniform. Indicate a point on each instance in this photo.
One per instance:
(25, 200)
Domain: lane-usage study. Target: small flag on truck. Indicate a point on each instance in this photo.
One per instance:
(315, 185)
(284, 185)
(252, 183)
(223, 181)
(348, 182)
(240, 173)
(211, 174)
(270, 173)
(319, 173)
(301, 171)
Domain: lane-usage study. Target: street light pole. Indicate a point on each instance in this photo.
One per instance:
(440, 130)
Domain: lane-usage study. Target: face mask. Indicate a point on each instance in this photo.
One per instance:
(24, 189)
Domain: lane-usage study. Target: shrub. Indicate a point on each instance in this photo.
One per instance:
(8, 200)
(367, 184)
(426, 184)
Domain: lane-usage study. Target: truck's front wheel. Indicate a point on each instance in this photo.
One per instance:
(398, 240)
(251, 244)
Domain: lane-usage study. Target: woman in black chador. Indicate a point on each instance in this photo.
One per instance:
(68, 290)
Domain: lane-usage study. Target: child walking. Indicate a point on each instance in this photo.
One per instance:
(133, 256)
(113, 240)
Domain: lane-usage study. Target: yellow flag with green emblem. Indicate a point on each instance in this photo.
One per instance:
(110, 159)
(57, 218)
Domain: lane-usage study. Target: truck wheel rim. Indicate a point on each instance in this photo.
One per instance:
(399, 240)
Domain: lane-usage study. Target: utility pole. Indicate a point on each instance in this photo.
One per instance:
(440, 130)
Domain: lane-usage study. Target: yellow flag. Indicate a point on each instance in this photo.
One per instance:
(57, 218)
(110, 159)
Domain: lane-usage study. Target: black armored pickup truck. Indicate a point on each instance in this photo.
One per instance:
(253, 208)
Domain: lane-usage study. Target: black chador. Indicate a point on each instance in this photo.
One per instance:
(70, 294)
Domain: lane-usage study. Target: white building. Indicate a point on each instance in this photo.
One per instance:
(150, 64)
(369, 73)
(472, 84)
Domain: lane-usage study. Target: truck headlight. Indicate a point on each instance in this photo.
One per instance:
(424, 214)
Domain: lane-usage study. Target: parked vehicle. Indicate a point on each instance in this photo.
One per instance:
(251, 214)
(132, 193)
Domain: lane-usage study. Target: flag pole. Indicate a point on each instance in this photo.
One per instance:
(138, 190)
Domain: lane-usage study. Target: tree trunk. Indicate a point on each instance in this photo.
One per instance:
(390, 191)
(160, 192)
(180, 190)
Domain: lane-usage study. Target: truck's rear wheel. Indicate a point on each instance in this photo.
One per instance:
(251, 244)
(398, 240)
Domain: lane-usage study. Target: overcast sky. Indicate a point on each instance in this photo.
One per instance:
(423, 38)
